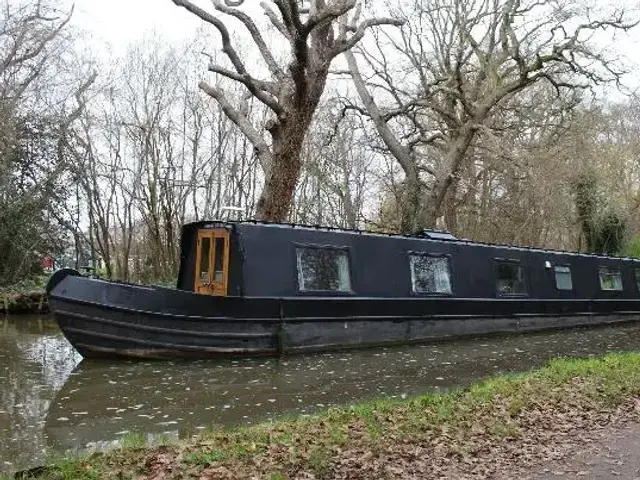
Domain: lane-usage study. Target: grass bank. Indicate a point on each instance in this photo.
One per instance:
(477, 430)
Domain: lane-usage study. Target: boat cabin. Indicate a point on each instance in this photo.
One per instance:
(252, 259)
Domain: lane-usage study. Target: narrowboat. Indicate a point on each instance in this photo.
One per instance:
(250, 288)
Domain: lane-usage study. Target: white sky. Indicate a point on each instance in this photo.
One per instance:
(111, 25)
(117, 23)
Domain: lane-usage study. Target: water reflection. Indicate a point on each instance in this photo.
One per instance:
(99, 402)
(35, 361)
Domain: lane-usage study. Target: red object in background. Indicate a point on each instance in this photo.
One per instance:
(47, 263)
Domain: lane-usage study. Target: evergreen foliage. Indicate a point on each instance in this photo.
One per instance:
(603, 229)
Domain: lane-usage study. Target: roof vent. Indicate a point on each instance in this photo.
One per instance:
(436, 235)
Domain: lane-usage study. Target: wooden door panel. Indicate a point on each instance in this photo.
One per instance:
(212, 262)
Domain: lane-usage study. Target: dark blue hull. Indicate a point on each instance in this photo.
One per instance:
(106, 319)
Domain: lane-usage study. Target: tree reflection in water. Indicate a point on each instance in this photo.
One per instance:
(35, 361)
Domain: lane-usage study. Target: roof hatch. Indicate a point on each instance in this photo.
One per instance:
(436, 235)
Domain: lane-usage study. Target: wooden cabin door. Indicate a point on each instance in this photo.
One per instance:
(212, 272)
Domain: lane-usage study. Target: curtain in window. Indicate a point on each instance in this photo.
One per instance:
(344, 276)
(563, 278)
(430, 274)
(323, 269)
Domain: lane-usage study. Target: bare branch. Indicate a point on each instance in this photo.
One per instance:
(399, 151)
(327, 15)
(231, 53)
(275, 21)
(260, 146)
(255, 35)
(347, 44)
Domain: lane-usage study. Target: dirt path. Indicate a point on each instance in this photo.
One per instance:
(611, 453)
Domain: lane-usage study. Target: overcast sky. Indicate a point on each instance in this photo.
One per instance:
(114, 24)
(119, 22)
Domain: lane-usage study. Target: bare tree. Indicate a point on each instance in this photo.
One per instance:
(463, 60)
(290, 92)
(40, 99)
(29, 32)
(338, 171)
(149, 155)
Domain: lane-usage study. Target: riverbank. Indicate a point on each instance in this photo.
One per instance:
(499, 425)
(19, 301)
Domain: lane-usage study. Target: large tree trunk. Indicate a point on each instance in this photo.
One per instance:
(277, 196)
(455, 157)
(435, 200)
(451, 209)
(411, 204)
(281, 180)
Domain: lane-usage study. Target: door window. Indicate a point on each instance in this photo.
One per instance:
(218, 262)
(205, 249)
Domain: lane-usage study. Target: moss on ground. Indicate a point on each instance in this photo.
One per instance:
(476, 429)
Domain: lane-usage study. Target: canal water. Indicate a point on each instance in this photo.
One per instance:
(52, 401)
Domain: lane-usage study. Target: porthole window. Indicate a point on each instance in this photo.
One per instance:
(323, 270)
(563, 278)
(610, 279)
(430, 274)
(510, 279)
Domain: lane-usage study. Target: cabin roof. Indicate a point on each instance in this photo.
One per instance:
(439, 236)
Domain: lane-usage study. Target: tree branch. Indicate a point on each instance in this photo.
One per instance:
(268, 57)
(275, 21)
(345, 44)
(260, 145)
(231, 53)
(399, 151)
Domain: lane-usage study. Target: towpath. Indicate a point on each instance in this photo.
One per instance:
(610, 453)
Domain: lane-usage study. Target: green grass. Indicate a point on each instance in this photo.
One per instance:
(133, 441)
(495, 409)
(204, 457)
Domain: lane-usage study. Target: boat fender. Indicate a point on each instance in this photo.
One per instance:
(60, 275)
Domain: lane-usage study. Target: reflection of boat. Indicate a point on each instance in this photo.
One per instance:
(100, 401)
(264, 289)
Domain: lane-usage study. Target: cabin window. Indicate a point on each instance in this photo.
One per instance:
(323, 270)
(563, 278)
(510, 279)
(610, 279)
(637, 279)
(205, 250)
(430, 274)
